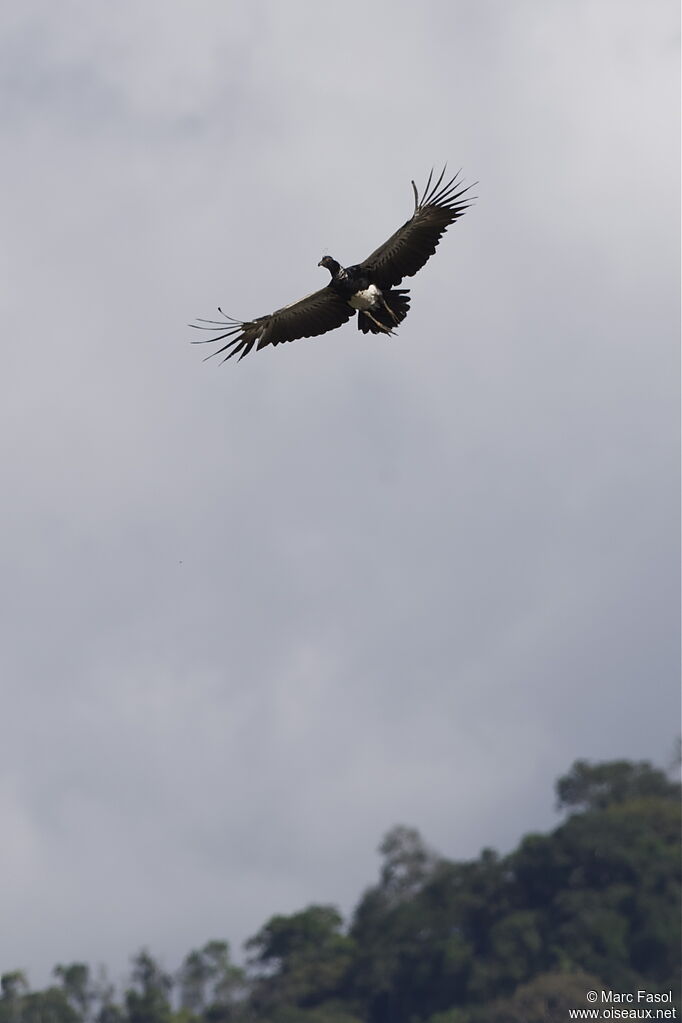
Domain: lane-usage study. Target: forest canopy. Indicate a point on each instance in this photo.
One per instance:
(519, 938)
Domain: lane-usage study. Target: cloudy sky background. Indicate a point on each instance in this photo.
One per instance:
(255, 615)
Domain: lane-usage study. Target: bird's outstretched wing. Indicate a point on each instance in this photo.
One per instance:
(317, 313)
(408, 249)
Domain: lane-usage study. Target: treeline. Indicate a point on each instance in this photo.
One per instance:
(500, 939)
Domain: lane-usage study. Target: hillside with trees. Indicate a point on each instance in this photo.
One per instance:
(500, 939)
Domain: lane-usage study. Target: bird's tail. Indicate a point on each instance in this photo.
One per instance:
(398, 302)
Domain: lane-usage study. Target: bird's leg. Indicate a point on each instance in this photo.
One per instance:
(390, 311)
(381, 326)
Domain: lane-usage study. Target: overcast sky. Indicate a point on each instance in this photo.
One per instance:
(256, 614)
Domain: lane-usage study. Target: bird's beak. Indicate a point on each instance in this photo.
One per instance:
(320, 263)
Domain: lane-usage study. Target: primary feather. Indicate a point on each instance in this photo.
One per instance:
(408, 249)
(315, 314)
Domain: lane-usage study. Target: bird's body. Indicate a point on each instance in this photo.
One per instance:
(366, 297)
(370, 287)
(377, 312)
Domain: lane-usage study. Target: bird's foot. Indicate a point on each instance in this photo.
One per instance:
(390, 312)
(382, 326)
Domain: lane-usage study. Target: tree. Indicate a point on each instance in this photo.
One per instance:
(607, 883)
(13, 988)
(498, 939)
(408, 862)
(104, 1008)
(599, 894)
(75, 979)
(413, 951)
(299, 960)
(49, 1006)
(13, 985)
(147, 1001)
(596, 786)
(546, 999)
(209, 982)
(18, 1004)
(193, 978)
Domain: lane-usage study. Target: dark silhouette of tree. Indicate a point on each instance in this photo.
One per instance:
(498, 939)
(148, 999)
(210, 984)
(75, 980)
(596, 786)
(299, 960)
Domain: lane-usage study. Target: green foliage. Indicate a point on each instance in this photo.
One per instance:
(19, 1004)
(597, 786)
(608, 885)
(329, 1012)
(408, 862)
(75, 980)
(545, 999)
(514, 939)
(48, 1006)
(148, 998)
(299, 960)
(209, 983)
(13, 985)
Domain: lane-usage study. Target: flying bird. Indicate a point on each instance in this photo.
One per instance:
(369, 288)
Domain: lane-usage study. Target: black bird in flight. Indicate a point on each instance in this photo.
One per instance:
(370, 287)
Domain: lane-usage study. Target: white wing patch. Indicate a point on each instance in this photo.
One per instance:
(367, 299)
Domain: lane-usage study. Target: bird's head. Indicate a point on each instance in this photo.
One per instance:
(330, 264)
